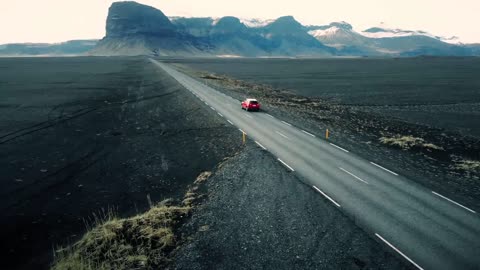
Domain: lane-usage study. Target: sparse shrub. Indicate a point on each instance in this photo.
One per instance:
(408, 142)
(140, 242)
(468, 165)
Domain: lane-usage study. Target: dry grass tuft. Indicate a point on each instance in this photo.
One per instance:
(408, 142)
(211, 77)
(203, 177)
(468, 165)
(140, 242)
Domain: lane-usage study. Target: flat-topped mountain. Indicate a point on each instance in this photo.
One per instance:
(137, 29)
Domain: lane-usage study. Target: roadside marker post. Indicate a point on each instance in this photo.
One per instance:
(244, 137)
(327, 134)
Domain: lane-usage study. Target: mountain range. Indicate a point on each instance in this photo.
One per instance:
(136, 29)
(72, 47)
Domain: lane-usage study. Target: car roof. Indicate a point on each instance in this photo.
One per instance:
(251, 99)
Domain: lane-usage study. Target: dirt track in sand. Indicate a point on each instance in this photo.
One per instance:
(79, 136)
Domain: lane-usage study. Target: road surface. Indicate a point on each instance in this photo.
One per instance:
(425, 228)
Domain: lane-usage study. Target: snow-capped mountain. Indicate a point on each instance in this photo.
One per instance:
(136, 29)
(379, 32)
(385, 41)
(255, 22)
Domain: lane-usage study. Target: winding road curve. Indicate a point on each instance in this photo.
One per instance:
(424, 227)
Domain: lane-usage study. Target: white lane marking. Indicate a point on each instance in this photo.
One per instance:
(288, 124)
(205, 103)
(353, 175)
(454, 202)
(220, 114)
(269, 115)
(281, 134)
(212, 108)
(308, 133)
(263, 147)
(399, 252)
(230, 122)
(249, 116)
(242, 131)
(326, 196)
(344, 150)
(286, 165)
(385, 169)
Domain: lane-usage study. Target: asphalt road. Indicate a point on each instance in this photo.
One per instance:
(423, 227)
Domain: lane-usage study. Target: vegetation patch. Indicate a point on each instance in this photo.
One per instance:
(211, 77)
(408, 142)
(145, 241)
(467, 165)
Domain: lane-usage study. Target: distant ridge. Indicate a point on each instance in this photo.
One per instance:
(137, 29)
(72, 47)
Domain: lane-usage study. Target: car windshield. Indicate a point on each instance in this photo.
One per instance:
(253, 102)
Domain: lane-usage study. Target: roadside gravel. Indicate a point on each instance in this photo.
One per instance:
(258, 215)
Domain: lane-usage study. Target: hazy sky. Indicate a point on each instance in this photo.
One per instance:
(60, 20)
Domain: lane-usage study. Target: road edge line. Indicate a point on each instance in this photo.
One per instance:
(286, 165)
(454, 202)
(398, 251)
(259, 144)
(383, 168)
(344, 150)
(326, 196)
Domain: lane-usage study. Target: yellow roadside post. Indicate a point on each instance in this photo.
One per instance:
(244, 137)
(327, 134)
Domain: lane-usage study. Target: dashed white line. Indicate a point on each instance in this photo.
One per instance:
(259, 144)
(205, 103)
(269, 115)
(230, 122)
(398, 251)
(288, 124)
(334, 145)
(281, 134)
(385, 169)
(220, 114)
(454, 202)
(212, 108)
(353, 175)
(308, 133)
(249, 116)
(326, 196)
(242, 131)
(286, 165)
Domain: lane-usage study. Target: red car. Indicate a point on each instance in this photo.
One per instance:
(250, 104)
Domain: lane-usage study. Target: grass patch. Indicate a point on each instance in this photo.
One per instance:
(408, 142)
(145, 241)
(468, 165)
(211, 77)
(140, 242)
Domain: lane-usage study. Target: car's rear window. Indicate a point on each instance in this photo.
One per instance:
(253, 102)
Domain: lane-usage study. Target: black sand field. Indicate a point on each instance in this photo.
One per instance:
(440, 158)
(82, 136)
(440, 92)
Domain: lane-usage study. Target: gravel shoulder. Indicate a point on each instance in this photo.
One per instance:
(446, 162)
(258, 215)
